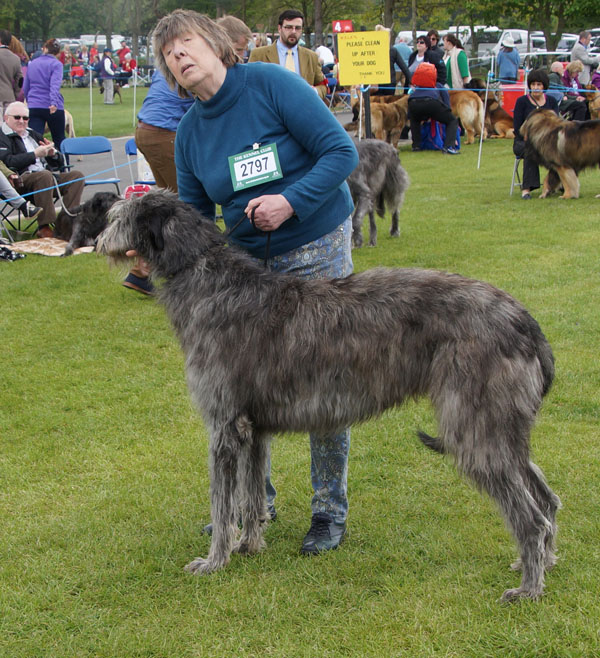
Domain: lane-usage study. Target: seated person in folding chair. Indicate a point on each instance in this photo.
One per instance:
(536, 97)
(34, 158)
(7, 191)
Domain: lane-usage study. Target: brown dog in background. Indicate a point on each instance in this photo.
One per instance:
(498, 122)
(468, 107)
(564, 147)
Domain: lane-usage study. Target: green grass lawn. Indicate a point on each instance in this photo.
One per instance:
(104, 486)
(107, 120)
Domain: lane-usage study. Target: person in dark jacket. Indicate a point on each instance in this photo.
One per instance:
(34, 158)
(437, 51)
(423, 53)
(536, 97)
(431, 102)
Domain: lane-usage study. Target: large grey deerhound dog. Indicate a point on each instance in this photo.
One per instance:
(379, 181)
(271, 353)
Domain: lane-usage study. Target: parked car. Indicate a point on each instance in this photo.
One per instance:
(567, 41)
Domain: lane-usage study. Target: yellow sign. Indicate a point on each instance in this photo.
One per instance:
(364, 58)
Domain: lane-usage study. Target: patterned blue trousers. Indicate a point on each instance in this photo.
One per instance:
(328, 257)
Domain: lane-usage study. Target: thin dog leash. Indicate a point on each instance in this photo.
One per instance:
(258, 230)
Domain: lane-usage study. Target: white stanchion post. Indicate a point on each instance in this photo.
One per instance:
(134, 95)
(487, 89)
(91, 93)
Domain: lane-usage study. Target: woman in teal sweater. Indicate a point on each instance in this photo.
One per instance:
(259, 142)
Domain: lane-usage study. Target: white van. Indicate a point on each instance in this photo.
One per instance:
(88, 39)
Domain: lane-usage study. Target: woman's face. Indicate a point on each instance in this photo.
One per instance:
(421, 46)
(536, 88)
(192, 61)
(447, 45)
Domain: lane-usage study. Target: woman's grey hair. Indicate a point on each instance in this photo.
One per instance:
(184, 21)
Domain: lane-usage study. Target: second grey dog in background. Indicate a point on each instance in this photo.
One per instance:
(91, 218)
(378, 183)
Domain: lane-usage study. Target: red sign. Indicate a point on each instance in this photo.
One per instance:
(342, 26)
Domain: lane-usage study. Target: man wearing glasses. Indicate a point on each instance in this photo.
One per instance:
(286, 52)
(33, 157)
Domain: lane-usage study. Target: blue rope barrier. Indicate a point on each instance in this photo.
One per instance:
(75, 180)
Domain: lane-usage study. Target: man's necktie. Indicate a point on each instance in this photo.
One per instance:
(289, 61)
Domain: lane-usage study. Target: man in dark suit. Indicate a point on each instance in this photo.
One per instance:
(286, 52)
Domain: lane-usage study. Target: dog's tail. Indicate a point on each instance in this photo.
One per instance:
(432, 443)
(546, 359)
(392, 194)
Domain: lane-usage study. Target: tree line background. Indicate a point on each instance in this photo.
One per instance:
(42, 19)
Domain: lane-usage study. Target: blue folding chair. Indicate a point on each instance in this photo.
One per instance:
(131, 152)
(92, 146)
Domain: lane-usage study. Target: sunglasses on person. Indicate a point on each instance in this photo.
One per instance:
(18, 117)
(423, 42)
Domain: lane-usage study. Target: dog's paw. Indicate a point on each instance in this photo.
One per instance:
(518, 593)
(203, 566)
(517, 565)
(249, 547)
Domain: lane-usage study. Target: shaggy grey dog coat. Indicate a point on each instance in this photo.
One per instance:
(378, 183)
(90, 219)
(271, 353)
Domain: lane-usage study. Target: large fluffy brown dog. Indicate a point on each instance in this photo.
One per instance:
(388, 119)
(563, 147)
(389, 115)
(468, 107)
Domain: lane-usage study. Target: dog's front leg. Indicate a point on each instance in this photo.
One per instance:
(224, 456)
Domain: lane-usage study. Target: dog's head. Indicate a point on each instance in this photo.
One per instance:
(168, 233)
(539, 124)
(100, 204)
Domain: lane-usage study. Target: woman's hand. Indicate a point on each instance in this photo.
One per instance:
(271, 210)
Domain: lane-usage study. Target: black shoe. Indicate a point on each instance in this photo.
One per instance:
(324, 535)
(207, 530)
(29, 210)
(141, 284)
(526, 196)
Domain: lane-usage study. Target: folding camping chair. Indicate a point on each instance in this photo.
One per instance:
(515, 175)
(132, 152)
(92, 146)
(9, 222)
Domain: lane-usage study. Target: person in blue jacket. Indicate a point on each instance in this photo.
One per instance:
(259, 142)
(508, 60)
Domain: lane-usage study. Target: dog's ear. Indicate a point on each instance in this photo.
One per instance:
(76, 210)
(155, 231)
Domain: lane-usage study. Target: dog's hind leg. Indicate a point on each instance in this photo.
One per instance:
(395, 228)
(372, 229)
(364, 205)
(254, 502)
(570, 182)
(529, 525)
(490, 445)
(549, 504)
(225, 449)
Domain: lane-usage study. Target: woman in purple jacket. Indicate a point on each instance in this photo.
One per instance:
(42, 92)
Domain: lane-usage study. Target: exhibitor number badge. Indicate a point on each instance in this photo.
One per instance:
(254, 167)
